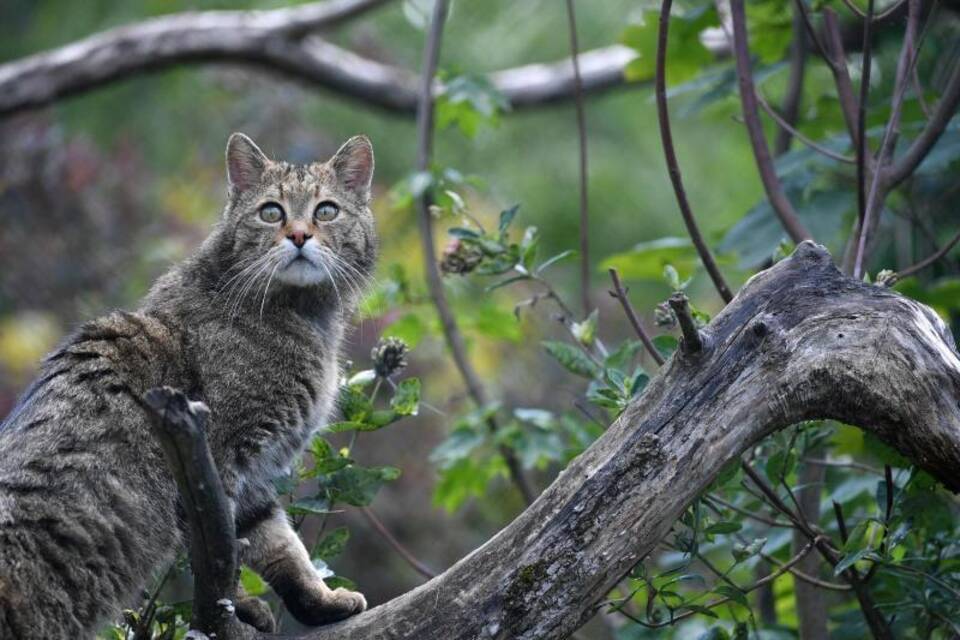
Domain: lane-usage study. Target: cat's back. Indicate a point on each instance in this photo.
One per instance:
(82, 490)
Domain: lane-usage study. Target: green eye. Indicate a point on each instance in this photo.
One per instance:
(271, 213)
(326, 211)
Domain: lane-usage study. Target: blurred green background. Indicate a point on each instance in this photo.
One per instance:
(100, 193)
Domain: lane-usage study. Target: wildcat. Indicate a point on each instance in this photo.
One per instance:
(251, 325)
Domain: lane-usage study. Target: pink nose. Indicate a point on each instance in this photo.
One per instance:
(299, 238)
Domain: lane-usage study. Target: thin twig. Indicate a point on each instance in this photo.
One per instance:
(396, 545)
(923, 143)
(800, 575)
(841, 75)
(621, 294)
(582, 138)
(451, 331)
(770, 522)
(670, 155)
(784, 568)
(813, 144)
(929, 260)
(794, 92)
(875, 17)
(901, 82)
(843, 465)
(861, 146)
(761, 153)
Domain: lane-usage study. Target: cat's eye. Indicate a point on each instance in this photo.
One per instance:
(326, 211)
(271, 213)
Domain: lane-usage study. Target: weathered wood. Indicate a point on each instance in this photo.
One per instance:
(278, 40)
(178, 425)
(800, 341)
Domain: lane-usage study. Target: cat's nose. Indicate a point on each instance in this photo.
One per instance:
(298, 238)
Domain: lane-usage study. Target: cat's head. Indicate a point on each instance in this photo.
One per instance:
(299, 225)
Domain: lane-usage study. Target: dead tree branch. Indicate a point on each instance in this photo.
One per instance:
(279, 40)
(178, 425)
(582, 157)
(670, 156)
(751, 116)
(811, 334)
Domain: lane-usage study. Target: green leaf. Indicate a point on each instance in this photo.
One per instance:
(850, 559)
(406, 397)
(409, 327)
(723, 527)
(251, 581)
(354, 404)
(342, 427)
(646, 261)
(309, 506)
(666, 345)
(466, 478)
(356, 485)
(571, 358)
(461, 442)
(586, 332)
(332, 544)
(736, 595)
(686, 55)
(506, 218)
(563, 255)
(463, 234)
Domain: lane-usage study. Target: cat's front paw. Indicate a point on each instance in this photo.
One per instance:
(323, 606)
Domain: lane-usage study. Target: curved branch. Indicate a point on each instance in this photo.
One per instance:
(451, 331)
(800, 341)
(274, 40)
(761, 152)
(582, 157)
(670, 156)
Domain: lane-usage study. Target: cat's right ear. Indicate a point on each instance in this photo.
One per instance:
(245, 162)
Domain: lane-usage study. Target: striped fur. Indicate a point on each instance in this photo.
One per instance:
(88, 510)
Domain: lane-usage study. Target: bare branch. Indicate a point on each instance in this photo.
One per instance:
(582, 139)
(692, 342)
(275, 40)
(794, 92)
(929, 260)
(670, 155)
(945, 110)
(861, 144)
(878, 187)
(841, 75)
(621, 294)
(178, 426)
(785, 126)
(748, 97)
(396, 545)
(438, 296)
(874, 17)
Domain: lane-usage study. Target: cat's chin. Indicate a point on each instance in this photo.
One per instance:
(301, 273)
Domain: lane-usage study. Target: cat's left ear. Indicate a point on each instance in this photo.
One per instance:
(245, 162)
(353, 165)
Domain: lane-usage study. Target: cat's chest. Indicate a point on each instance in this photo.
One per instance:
(268, 393)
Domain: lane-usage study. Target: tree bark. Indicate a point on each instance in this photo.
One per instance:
(279, 40)
(799, 342)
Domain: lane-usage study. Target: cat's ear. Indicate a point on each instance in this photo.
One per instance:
(245, 162)
(353, 165)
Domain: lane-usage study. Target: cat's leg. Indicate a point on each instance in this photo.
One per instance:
(277, 553)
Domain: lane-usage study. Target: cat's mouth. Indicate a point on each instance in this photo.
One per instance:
(301, 271)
